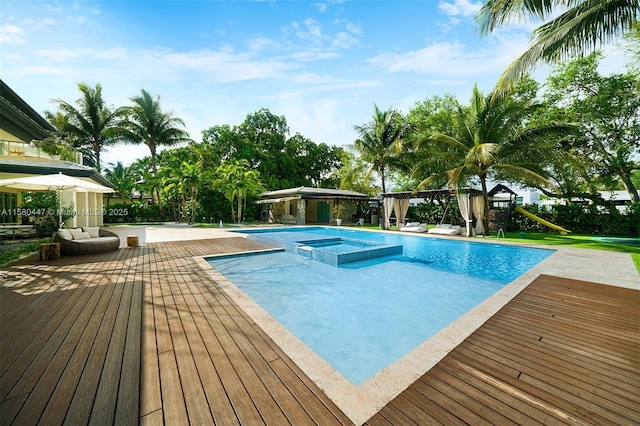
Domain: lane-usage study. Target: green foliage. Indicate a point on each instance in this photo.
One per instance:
(90, 125)
(121, 179)
(283, 162)
(46, 205)
(607, 109)
(495, 138)
(574, 28)
(434, 213)
(14, 251)
(353, 175)
(382, 142)
(338, 210)
(584, 219)
(238, 182)
(636, 260)
(146, 123)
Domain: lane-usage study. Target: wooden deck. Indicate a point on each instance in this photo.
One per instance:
(142, 335)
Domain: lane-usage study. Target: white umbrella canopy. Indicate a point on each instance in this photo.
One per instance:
(54, 182)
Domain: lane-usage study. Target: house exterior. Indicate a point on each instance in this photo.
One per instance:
(304, 205)
(20, 128)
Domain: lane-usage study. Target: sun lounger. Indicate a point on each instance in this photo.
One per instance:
(414, 227)
(445, 229)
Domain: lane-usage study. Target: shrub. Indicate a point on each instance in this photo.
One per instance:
(603, 219)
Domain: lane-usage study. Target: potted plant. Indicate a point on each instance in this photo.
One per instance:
(338, 212)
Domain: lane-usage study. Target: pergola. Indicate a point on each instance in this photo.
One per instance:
(399, 201)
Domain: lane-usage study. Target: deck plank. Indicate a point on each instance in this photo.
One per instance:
(562, 351)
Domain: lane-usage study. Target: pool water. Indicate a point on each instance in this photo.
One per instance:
(362, 316)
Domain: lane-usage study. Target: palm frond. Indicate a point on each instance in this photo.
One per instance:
(581, 29)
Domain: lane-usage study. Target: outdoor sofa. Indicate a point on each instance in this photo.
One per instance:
(86, 240)
(445, 229)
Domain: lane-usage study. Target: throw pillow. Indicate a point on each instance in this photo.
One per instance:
(93, 231)
(65, 234)
(75, 232)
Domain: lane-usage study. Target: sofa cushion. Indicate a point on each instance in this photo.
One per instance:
(99, 240)
(75, 231)
(93, 231)
(65, 234)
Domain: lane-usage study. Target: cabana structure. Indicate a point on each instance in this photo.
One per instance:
(470, 202)
(310, 205)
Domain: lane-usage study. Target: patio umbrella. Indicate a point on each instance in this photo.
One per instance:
(54, 182)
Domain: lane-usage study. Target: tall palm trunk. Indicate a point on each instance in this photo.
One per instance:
(239, 206)
(485, 196)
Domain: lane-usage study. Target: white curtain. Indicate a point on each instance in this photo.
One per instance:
(387, 205)
(463, 204)
(401, 210)
(478, 212)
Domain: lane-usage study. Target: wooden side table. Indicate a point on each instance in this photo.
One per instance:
(49, 251)
(133, 241)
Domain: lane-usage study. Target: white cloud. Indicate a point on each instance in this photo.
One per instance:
(52, 8)
(310, 32)
(12, 34)
(78, 20)
(344, 40)
(308, 56)
(62, 54)
(322, 7)
(161, 64)
(459, 7)
(261, 43)
(454, 58)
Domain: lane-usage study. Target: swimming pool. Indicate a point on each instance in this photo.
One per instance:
(363, 315)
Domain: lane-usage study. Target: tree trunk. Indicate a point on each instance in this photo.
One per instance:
(239, 208)
(154, 170)
(485, 196)
(628, 185)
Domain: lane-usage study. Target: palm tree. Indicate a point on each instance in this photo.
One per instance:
(493, 139)
(92, 124)
(121, 179)
(236, 180)
(146, 123)
(583, 26)
(189, 175)
(381, 141)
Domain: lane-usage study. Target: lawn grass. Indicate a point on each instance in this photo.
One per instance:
(636, 260)
(581, 241)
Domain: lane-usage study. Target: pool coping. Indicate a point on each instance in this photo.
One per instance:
(360, 403)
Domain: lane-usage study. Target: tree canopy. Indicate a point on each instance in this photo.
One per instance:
(282, 161)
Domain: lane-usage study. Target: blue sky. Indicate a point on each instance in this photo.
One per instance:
(320, 64)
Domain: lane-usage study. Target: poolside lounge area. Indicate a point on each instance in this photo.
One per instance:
(143, 335)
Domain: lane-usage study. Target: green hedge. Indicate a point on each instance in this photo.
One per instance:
(583, 219)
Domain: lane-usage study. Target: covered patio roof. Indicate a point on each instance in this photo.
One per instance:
(306, 192)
